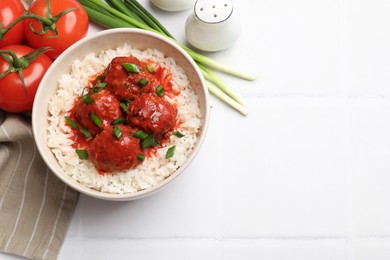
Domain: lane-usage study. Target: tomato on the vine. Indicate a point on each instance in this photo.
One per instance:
(63, 23)
(19, 84)
(10, 10)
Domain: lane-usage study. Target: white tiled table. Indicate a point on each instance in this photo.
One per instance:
(305, 176)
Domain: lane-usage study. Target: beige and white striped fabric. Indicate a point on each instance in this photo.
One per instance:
(35, 206)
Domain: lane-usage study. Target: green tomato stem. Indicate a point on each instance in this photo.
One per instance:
(17, 64)
(49, 21)
(11, 25)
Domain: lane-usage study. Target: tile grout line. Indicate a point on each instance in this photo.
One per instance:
(218, 202)
(347, 124)
(349, 177)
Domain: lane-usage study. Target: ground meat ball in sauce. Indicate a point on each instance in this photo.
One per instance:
(152, 114)
(124, 84)
(146, 111)
(108, 153)
(104, 105)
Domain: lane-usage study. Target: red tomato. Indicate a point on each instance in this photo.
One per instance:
(71, 27)
(9, 11)
(13, 96)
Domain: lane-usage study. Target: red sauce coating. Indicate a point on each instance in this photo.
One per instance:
(104, 105)
(152, 114)
(126, 85)
(136, 106)
(109, 153)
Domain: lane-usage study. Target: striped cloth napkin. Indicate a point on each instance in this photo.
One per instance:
(35, 206)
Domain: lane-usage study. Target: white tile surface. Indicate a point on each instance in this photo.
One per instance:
(373, 248)
(305, 176)
(368, 52)
(164, 249)
(178, 249)
(283, 249)
(370, 167)
(290, 179)
(293, 45)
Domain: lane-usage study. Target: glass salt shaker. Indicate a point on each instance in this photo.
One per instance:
(174, 5)
(213, 26)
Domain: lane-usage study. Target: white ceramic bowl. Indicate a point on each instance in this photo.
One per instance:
(108, 39)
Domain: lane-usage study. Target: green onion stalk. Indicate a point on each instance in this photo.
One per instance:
(131, 14)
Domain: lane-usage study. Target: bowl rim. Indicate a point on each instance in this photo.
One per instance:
(123, 196)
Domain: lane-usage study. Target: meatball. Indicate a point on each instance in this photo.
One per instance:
(152, 114)
(102, 105)
(129, 85)
(109, 153)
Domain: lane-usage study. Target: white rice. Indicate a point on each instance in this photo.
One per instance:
(154, 169)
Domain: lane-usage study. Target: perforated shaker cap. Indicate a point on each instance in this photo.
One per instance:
(213, 11)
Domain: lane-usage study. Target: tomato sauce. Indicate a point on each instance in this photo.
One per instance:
(122, 115)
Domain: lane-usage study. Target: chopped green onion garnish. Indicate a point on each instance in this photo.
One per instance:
(118, 121)
(85, 132)
(98, 87)
(87, 99)
(130, 67)
(150, 69)
(124, 107)
(149, 141)
(143, 82)
(178, 134)
(160, 91)
(96, 120)
(70, 122)
(124, 104)
(117, 132)
(100, 77)
(140, 135)
(83, 155)
(170, 152)
(141, 157)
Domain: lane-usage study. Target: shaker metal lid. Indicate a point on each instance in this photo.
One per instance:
(213, 11)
